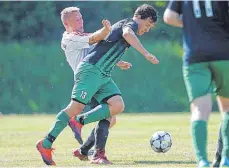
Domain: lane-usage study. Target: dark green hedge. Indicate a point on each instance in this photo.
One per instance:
(36, 78)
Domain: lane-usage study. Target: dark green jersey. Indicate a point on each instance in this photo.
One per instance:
(108, 52)
(206, 29)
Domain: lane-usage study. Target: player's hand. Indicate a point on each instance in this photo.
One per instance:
(124, 65)
(151, 58)
(106, 23)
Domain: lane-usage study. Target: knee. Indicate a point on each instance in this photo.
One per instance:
(120, 106)
(117, 107)
(223, 103)
(201, 108)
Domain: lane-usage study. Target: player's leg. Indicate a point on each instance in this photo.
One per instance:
(44, 146)
(72, 122)
(111, 105)
(101, 134)
(84, 91)
(112, 123)
(81, 94)
(61, 122)
(224, 108)
(217, 158)
(108, 94)
(103, 111)
(198, 81)
(86, 148)
(220, 73)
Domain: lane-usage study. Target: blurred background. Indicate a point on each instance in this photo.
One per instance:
(34, 74)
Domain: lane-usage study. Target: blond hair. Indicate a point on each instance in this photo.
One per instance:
(66, 11)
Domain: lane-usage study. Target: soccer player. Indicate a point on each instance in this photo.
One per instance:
(76, 45)
(205, 27)
(93, 77)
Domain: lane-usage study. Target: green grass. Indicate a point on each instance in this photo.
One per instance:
(127, 146)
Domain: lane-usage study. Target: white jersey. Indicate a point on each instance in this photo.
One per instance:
(76, 47)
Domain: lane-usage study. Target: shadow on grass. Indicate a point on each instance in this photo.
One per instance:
(164, 162)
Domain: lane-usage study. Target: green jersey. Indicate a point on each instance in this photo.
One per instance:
(108, 52)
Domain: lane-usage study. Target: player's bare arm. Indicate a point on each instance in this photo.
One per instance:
(133, 40)
(102, 33)
(172, 18)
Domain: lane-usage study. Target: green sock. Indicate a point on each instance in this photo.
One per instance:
(199, 138)
(225, 135)
(98, 113)
(61, 122)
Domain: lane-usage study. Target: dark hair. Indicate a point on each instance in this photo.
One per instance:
(146, 11)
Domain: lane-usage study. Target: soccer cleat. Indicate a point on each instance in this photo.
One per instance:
(77, 153)
(216, 161)
(91, 152)
(100, 158)
(224, 162)
(46, 154)
(76, 129)
(203, 163)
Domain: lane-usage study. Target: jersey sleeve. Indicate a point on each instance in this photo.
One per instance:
(175, 6)
(131, 24)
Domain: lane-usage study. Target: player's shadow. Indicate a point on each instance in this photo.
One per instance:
(163, 162)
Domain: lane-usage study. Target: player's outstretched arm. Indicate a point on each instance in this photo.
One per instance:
(133, 40)
(102, 33)
(172, 18)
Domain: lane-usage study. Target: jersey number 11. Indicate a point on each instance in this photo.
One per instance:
(197, 10)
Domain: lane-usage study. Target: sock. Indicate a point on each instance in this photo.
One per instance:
(225, 135)
(199, 138)
(219, 144)
(61, 122)
(89, 143)
(101, 134)
(98, 113)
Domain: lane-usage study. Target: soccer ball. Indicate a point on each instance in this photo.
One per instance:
(161, 141)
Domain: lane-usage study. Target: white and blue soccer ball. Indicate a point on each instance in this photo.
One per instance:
(161, 141)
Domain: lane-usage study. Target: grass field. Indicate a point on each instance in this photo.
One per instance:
(127, 146)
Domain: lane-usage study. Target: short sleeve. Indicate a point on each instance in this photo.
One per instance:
(131, 24)
(175, 6)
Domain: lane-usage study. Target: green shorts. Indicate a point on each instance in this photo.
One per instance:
(207, 77)
(91, 82)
